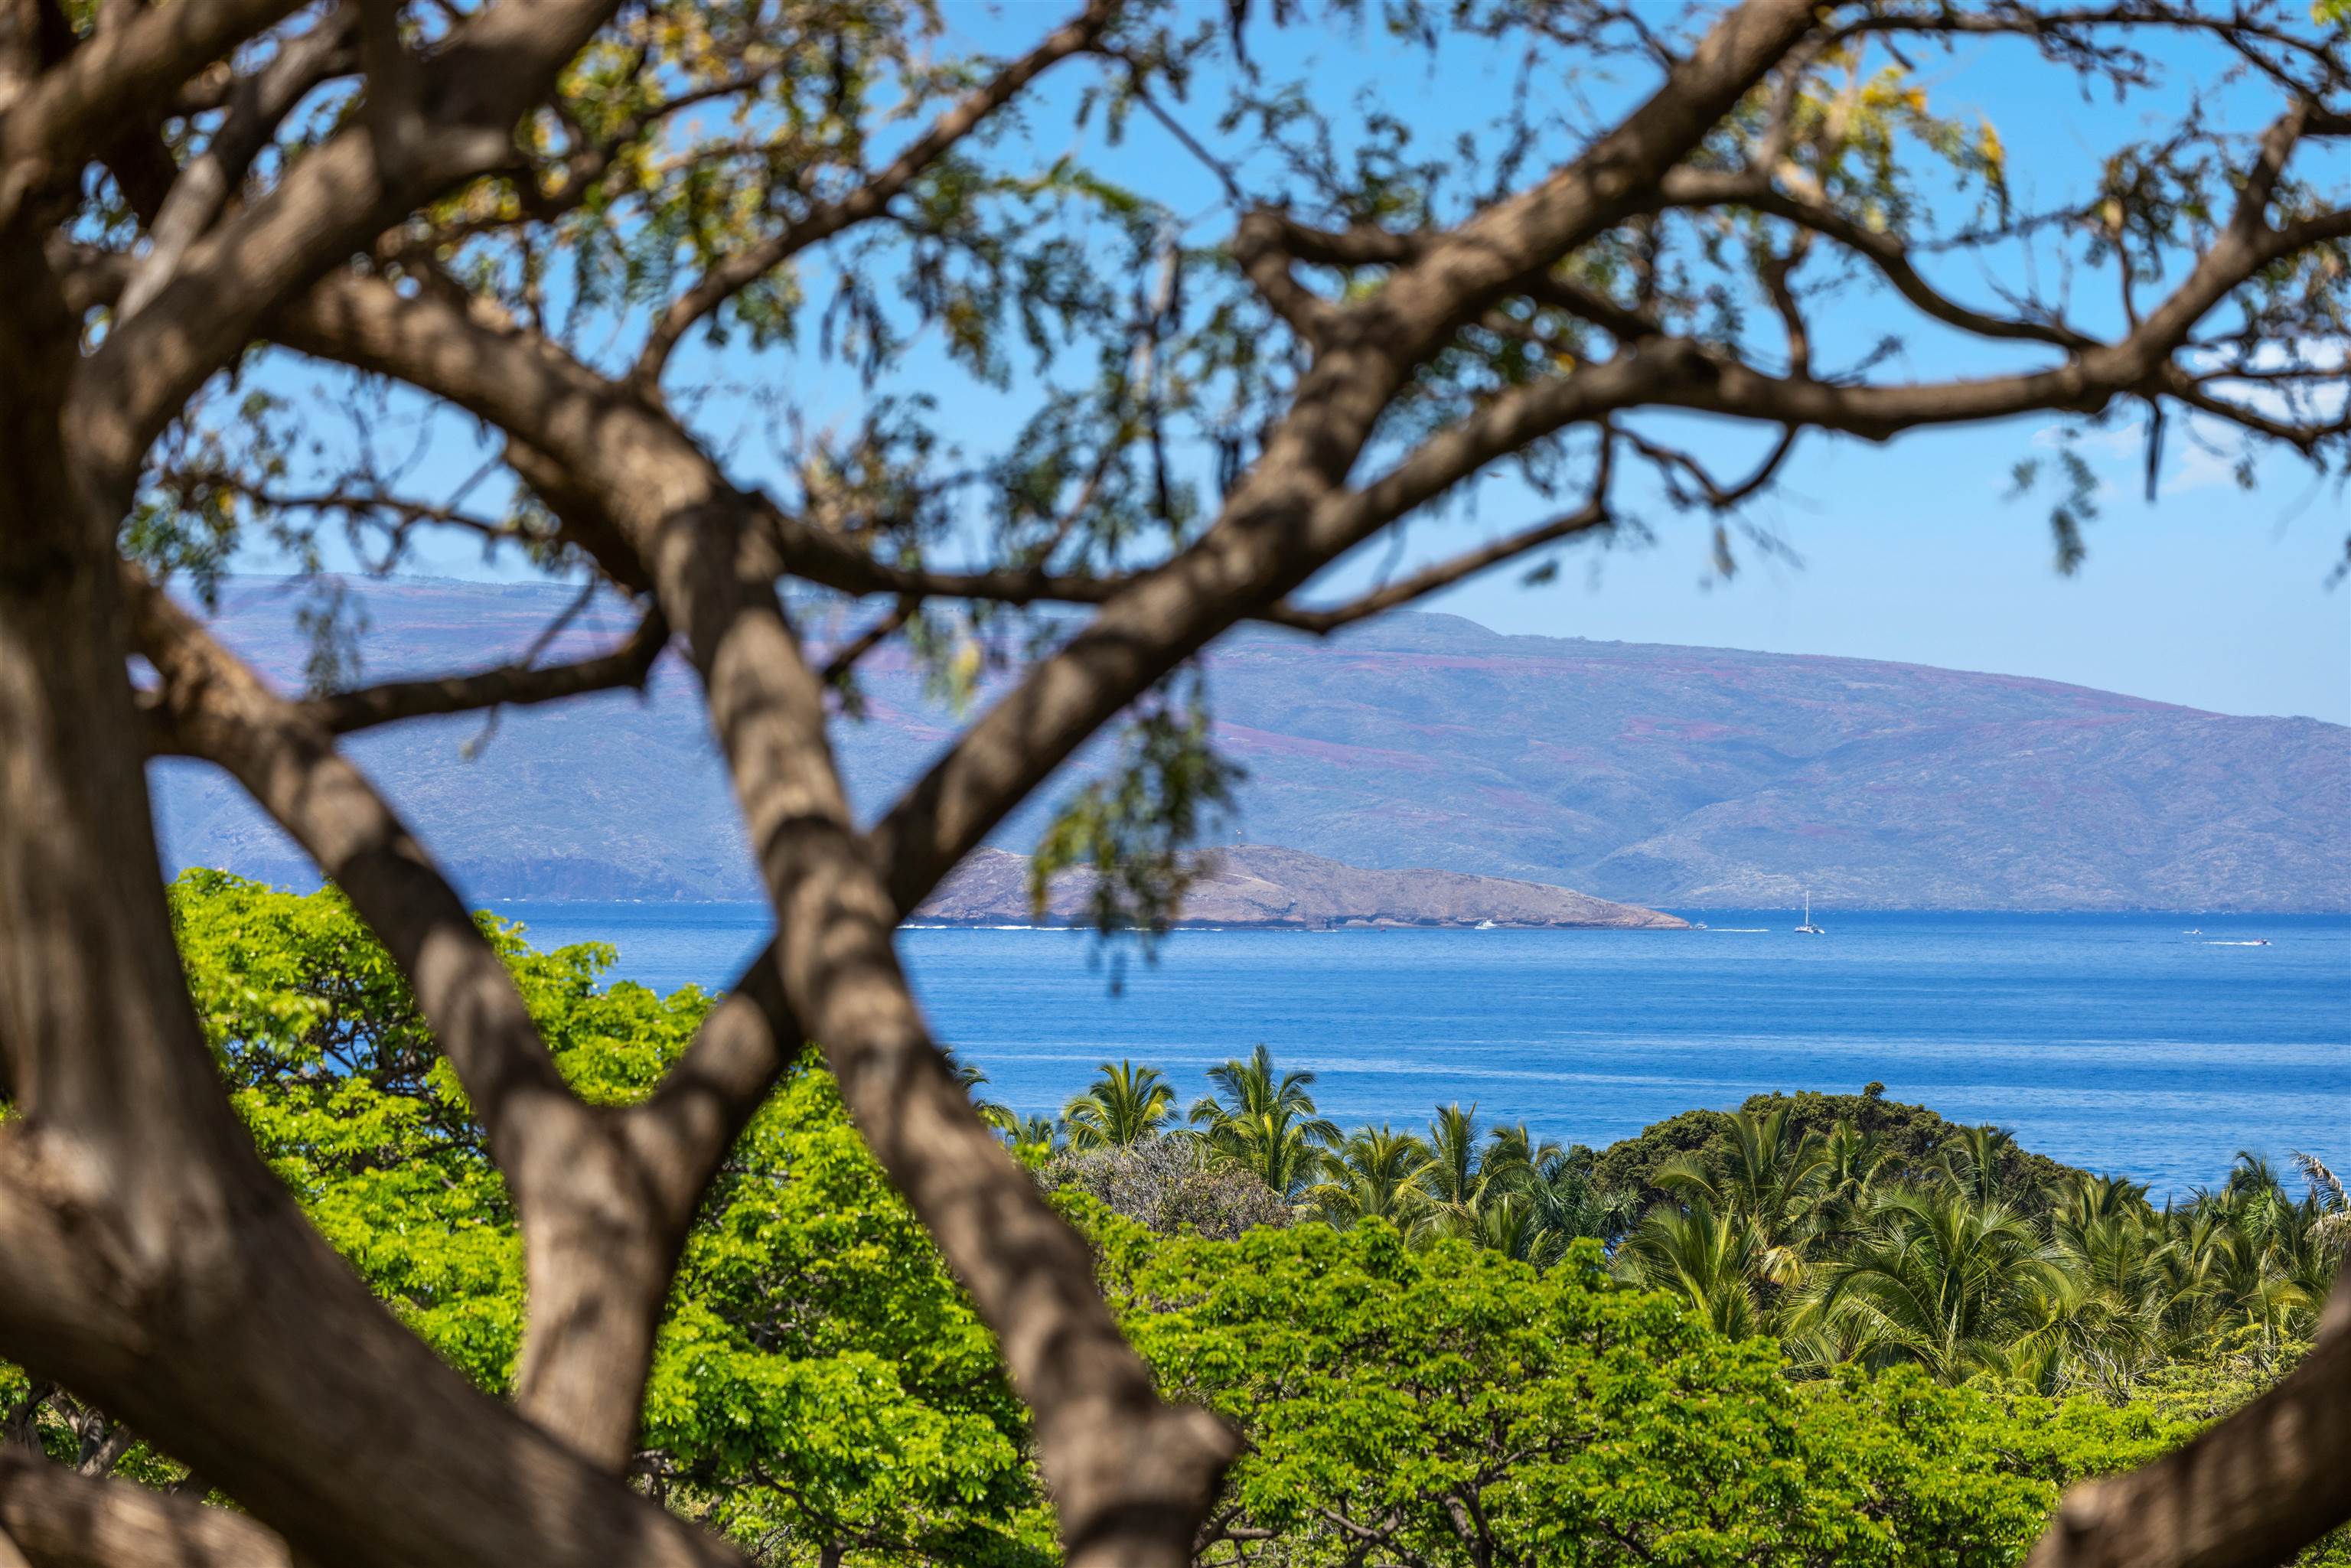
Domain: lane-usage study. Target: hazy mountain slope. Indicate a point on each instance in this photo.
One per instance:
(1649, 774)
(1262, 885)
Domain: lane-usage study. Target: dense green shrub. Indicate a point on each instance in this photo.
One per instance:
(1431, 1394)
(1914, 1138)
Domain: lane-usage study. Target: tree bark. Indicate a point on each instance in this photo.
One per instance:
(60, 1520)
(2250, 1493)
(1130, 1477)
(154, 1264)
(603, 1198)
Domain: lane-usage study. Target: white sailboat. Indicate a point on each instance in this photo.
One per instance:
(1808, 928)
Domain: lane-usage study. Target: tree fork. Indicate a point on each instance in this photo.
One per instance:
(1130, 1477)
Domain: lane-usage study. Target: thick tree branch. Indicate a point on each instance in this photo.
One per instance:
(586, 447)
(2247, 1493)
(712, 553)
(255, 104)
(152, 1262)
(604, 1200)
(732, 274)
(1260, 246)
(1168, 614)
(88, 276)
(610, 462)
(219, 709)
(333, 201)
(1262, 546)
(60, 1519)
(583, 444)
(1129, 1476)
(78, 107)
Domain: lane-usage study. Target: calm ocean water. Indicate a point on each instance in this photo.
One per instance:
(2119, 1042)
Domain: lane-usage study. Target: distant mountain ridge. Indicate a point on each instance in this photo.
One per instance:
(1642, 773)
(1262, 885)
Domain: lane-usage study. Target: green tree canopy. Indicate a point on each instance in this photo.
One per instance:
(682, 303)
(818, 1382)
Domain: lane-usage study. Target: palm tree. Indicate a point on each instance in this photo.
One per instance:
(1851, 1162)
(1945, 1281)
(1710, 1260)
(1763, 1174)
(1369, 1177)
(2253, 1174)
(2330, 1227)
(2280, 1254)
(1125, 1105)
(994, 1113)
(2116, 1298)
(1975, 1162)
(1516, 1147)
(1509, 1225)
(1458, 1180)
(1035, 1136)
(1264, 1124)
(1567, 1205)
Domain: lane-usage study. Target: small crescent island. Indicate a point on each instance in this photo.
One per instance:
(1257, 885)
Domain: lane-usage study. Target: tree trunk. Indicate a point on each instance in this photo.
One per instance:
(153, 1264)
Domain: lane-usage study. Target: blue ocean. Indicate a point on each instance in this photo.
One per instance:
(2151, 1046)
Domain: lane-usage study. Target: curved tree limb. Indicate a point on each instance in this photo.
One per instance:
(60, 1519)
(1594, 514)
(1261, 546)
(504, 685)
(152, 1262)
(334, 200)
(507, 686)
(1711, 492)
(603, 1208)
(1167, 614)
(220, 710)
(70, 112)
(1699, 188)
(255, 104)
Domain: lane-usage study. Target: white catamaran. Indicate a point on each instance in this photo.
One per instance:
(1808, 928)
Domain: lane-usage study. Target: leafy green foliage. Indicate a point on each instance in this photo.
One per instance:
(1443, 1374)
(1858, 1231)
(819, 1380)
(1132, 829)
(1126, 1104)
(1448, 1406)
(1911, 1139)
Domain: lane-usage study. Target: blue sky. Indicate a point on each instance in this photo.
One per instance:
(2209, 596)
